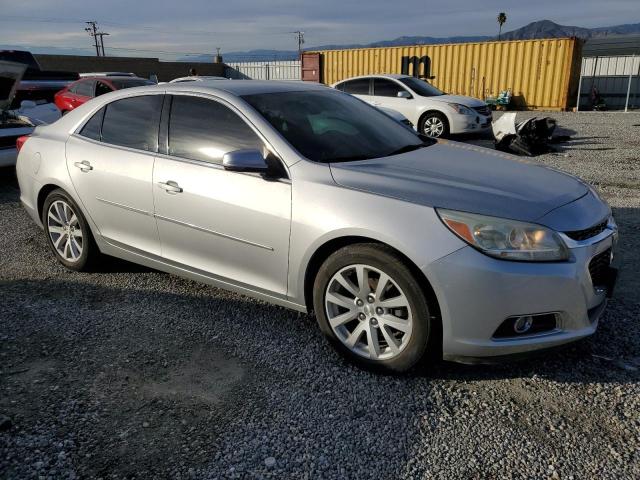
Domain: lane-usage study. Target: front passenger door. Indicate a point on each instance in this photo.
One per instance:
(385, 94)
(234, 226)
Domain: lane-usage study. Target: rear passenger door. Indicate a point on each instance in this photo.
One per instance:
(110, 160)
(232, 225)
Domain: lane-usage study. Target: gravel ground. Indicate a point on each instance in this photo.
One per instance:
(131, 373)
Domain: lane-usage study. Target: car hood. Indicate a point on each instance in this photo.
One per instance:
(10, 75)
(462, 177)
(461, 99)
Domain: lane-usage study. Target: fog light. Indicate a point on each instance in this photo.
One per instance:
(522, 324)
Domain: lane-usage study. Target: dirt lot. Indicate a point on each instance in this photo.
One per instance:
(131, 373)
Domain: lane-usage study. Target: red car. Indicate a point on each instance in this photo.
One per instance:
(83, 90)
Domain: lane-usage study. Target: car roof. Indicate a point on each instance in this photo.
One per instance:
(395, 76)
(242, 87)
(197, 78)
(111, 77)
(107, 74)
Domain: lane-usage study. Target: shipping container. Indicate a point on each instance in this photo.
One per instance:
(541, 74)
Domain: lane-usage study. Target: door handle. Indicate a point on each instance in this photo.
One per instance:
(84, 166)
(170, 187)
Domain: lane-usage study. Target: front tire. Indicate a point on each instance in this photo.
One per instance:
(371, 308)
(68, 233)
(434, 125)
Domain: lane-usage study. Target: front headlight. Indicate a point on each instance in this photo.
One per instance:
(506, 239)
(461, 109)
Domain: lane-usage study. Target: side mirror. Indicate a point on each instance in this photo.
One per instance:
(25, 104)
(245, 161)
(404, 94)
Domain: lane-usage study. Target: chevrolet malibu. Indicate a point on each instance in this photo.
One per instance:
(404, 247)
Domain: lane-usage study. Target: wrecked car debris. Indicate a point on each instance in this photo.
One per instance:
(530, 137)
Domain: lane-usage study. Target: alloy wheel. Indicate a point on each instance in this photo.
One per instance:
(65, 231)
(433, 127)
(368, 312)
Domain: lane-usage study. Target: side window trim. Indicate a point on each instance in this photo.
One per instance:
(163, 128)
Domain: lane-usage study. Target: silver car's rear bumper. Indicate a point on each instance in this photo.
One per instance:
(477, 293)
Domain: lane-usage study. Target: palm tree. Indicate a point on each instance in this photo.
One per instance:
(502, 19)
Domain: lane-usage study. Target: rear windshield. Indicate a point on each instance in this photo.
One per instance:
(421, 87)
(329, 126)
(129, 83)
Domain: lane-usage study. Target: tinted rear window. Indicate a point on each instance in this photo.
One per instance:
(133, 122)
(84, 88)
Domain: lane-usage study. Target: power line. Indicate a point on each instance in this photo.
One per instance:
(300, 41)
(92, 29)
(101, 35)
(7, 18)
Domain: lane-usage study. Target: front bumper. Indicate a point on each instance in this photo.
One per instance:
(478, 293)
(470, 123)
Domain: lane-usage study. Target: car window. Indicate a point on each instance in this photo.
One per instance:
(84, 88)
(359, 86)
(386, 88)
(133, 122)
(205, 130)
(421, 87)
(92, 128)
(102, 88)
(329, 126)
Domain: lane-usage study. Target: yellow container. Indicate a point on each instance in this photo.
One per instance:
(542, 74)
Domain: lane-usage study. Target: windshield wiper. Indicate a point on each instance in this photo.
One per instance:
(408, 148)
(348, 158)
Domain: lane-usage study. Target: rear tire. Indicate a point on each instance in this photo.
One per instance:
(384, 327)
(68, 233)
(434, 125)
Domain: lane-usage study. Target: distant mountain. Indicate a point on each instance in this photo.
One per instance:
(539, 29)
(549, 29)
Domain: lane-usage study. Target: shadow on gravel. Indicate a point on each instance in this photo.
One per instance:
(9, 191)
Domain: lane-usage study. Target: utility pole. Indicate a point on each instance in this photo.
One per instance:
(300, 41)
(101, 35)
(93, 29)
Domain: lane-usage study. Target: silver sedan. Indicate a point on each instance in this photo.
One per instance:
(404, 247)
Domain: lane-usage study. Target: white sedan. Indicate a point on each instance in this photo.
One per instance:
(434, 113)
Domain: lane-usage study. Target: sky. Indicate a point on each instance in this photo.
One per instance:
(152, 27)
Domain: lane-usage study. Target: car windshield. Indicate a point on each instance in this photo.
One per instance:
(329, 126)
(130, 82)
(421, 87)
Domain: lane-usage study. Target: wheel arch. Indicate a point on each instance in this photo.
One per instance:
(326, 249)
(42, 196)
(432, 110)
